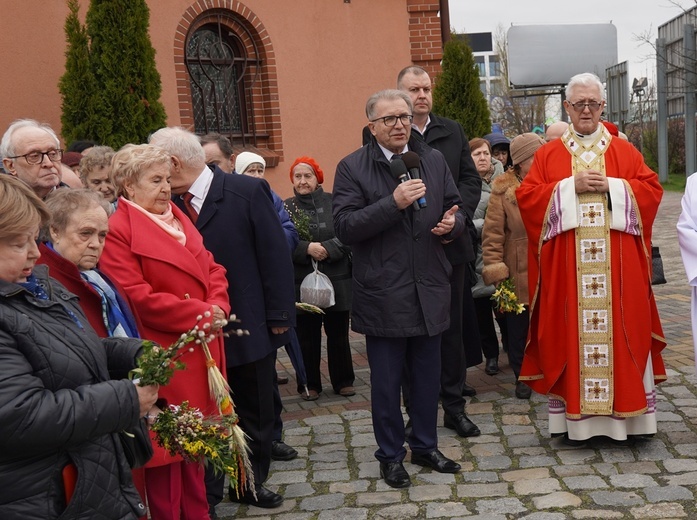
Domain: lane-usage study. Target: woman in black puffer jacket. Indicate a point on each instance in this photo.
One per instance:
(311, 209)
(63, 392)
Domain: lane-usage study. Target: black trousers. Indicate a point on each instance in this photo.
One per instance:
(487, 332)
(252, 388)
(339, 361)
(517, 326)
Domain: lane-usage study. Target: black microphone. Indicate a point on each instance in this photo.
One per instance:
(412, 162)
(399, 172)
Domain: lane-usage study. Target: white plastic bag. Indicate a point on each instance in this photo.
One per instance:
(317, 289)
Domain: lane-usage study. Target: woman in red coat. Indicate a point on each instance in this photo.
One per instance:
(155, 252)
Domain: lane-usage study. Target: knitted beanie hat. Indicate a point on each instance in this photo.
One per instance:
(246, 159)
(524, 146)
(309, 161)
(71, 159)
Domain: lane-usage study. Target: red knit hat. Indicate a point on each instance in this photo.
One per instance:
(312, 164)
(71, 159)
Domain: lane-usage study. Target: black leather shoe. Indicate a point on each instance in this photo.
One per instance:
(265, 498)
(212, 513)
(522, 391)
(394, 474)
(281, 451)
(435, 460)
(492, 366)
(461, 424)
(468, 391)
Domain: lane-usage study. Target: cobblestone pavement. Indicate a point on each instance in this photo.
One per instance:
(513, 470)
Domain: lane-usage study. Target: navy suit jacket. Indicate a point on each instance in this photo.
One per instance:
(241, 228)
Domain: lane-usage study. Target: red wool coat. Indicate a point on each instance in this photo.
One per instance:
(170, 285)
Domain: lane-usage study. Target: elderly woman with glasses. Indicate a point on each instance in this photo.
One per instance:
(64, 395)
(154, 251)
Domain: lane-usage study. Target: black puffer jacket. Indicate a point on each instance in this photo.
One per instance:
(59, 404)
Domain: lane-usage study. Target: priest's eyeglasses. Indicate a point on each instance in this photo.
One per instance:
(406, 119)
(38, 157)
(593, 106)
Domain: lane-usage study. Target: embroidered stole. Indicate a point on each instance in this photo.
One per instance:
(594, 287)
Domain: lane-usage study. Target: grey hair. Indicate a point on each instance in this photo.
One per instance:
(386, 95)
(586, 79)
(7, 146)
(64, 204)
(180, 143)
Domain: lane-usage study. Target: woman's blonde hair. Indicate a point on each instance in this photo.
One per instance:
(21, 210)
(131, 161)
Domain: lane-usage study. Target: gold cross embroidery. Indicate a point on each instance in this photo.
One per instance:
(596, 356)
(596, 390)
(595, 321)
(591, 214)
(593, 286)
(593, 250)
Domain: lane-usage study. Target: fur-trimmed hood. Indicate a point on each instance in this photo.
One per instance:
(505, 185)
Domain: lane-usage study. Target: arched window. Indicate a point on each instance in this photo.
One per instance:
(216, 69)
(227, 77)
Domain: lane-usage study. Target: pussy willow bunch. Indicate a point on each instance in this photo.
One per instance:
(301, 221)
(308, 307)
(505, 298)
(185, 431)
(157, 364)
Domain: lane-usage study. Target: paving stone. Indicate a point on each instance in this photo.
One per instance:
(496, 462)
(345, 513)
(398, 512)
(686, 450)
(686, 479)
(515, 420)
(525, 474)
(363, 439)
(668, 494)
(617, 455)
(429, 492)
(559, 499)
(523, 440)
(500, 506)
(573, 471)
(595, 514)
(480, 476)
(381, 498)
(616, 498)
(433, 477)
(680, 465)
(631, 481)
(487, 450)
(653, 450)
(287, 477)
(354, 486)
(324, 419)
(446, 510)
(606, 469)
(536, 487)
(659, 511)
(585, 482)
(537, 461)
(517, 429)
(645, 467)
(331, 476)
(544, 516)
(321, 502)
(482, 490)
(582, 456)
(301, 489)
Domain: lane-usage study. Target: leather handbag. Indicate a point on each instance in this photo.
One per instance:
(657, 275)
(136, 444)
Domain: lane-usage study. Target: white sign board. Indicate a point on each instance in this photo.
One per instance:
(548, 55)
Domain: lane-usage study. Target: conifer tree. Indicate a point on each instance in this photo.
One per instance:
(457, 95)
(122, 104)
(77, 83)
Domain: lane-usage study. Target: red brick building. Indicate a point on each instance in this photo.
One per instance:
(288, 78)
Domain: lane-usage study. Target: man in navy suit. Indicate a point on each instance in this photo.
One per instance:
(240, 227)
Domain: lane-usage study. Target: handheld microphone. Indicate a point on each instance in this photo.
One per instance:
(412, 162)
(399, 172)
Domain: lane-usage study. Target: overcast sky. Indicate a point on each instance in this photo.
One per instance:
(632, 18)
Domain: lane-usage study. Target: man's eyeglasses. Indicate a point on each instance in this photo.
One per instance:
(593, 106)
(38, 157)
(392, 120)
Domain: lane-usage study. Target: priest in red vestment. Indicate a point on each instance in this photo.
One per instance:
(595, 338)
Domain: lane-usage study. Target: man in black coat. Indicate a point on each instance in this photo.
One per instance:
(457, 353)
(240, 227)
(401, 289)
